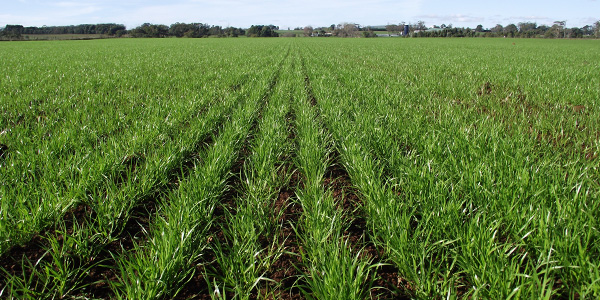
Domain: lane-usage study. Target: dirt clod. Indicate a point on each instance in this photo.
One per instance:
(578, 108)
(485, 89)
(3, 150)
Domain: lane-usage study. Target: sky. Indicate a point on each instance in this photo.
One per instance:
(297, 13)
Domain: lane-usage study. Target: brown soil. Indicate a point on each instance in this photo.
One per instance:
(103, 265)
(130, 164)
(389, 284)
(485, 89)
(578, 108)
(197, 287)
(387, 281)
(12, 260)
(308, 87)
(284, 271)
(103, 269)
(338, 181)
(34, 250)
(133, 230)
(3, 150)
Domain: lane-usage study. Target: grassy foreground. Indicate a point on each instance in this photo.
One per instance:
(300, 169)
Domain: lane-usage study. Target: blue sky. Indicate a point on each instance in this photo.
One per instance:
(293, 13)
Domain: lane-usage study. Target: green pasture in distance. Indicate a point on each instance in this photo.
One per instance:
(500, 134)
(298, 33)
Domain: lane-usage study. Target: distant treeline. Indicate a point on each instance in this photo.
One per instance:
(263, 31)
(419, 29)
(199, 30)
(190, 30)
(521, 30)
(146, 30)
(108, 29)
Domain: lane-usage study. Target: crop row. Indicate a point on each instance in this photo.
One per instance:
(290, 169)
(78, 246)
(62, 161)
(461, 205)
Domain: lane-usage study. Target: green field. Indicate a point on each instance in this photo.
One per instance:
(298, 33)
(300, 169)
(42, 37)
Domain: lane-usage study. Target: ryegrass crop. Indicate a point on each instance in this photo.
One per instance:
(467, 181)
(249, 245)
(429, 168)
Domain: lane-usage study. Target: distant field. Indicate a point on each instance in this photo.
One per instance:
(382, 32)
(300, 169)
(298, 33)
(63, 36)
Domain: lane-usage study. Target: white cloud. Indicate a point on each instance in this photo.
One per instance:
(287, 13)
(451, 18)
(243, 13)
(69, 4)
(27, 20)
(589, 20)
(532, 18)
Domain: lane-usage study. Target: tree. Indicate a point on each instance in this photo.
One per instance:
(498, 29)
(308, 31)
(12, 32)
(262, 31)
(558, 27)
(216, 30)
(527, 29)
(180, 29)
(234, 32)
(587, 30)
(597, 29)
(347, 30)
(510, 30)
(369, 33)
(574, 32)
(117, 29)
(148, 30)
(392, 29)
(479, 28)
